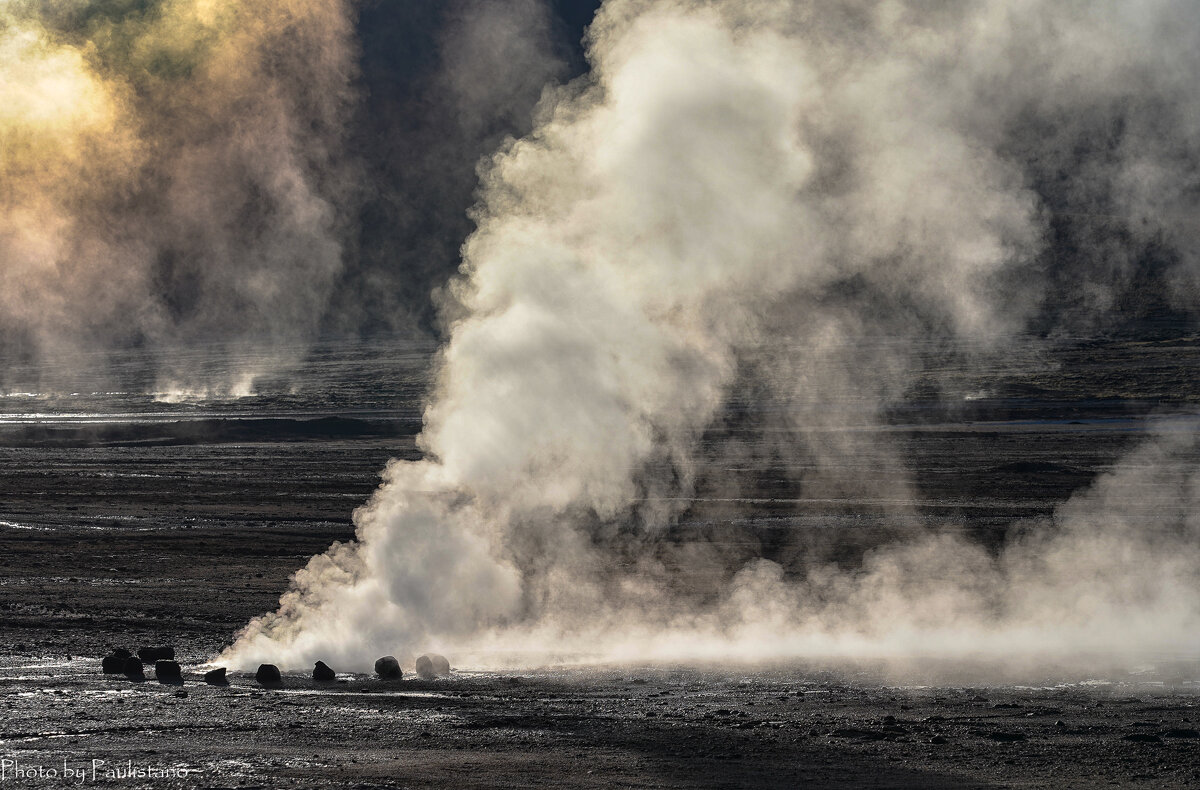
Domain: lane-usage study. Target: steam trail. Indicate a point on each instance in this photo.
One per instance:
(764, 186)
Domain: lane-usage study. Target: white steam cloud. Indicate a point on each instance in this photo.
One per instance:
(756, 189)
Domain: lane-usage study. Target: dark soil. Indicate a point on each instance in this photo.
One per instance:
(176, 535)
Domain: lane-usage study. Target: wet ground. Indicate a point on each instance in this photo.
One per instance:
(176, 523)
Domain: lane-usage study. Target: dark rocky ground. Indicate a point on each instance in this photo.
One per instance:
(178, 537)
(790, 727)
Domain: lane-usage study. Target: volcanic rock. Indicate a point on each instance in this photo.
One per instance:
(441, 664)
(388, 668)
(114, 664)
(149, 655)
(268, 675)
(322, 673)
(121, 652)
(168, 672)
(425, 668)
(133, 669)
(216, 677)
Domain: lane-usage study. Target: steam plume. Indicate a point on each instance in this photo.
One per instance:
(754, 191)
(171, 173)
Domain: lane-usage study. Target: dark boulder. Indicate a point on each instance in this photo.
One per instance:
(268, 675)
(114, 664)
(425, 668)
(121, 652)
(149, 655)
(441, 664)
(388, 668)
(323, 674)
(133, 669)
(168, 672)
(216, 677)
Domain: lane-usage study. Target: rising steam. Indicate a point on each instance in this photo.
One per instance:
(753, 191)
(171, 171)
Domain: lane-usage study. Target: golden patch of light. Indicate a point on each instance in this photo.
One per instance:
(49, 97)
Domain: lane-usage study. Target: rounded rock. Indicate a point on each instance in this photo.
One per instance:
(425, 668)
(268, 675)
(216, 677)
(133, 669)
(388, 668)
(322, 673)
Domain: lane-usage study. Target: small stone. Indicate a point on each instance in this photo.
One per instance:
(182, 693)
(268, 675)
(168, 672)
(216, 677)
(388, 668)
(323, 674)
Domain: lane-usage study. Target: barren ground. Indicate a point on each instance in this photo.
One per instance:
(139, 539)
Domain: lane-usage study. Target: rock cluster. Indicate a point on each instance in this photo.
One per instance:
(167, 670)
(114, 662)
(121, 662)
(432, 665)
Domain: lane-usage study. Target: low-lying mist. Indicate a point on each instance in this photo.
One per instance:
(746, 189)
